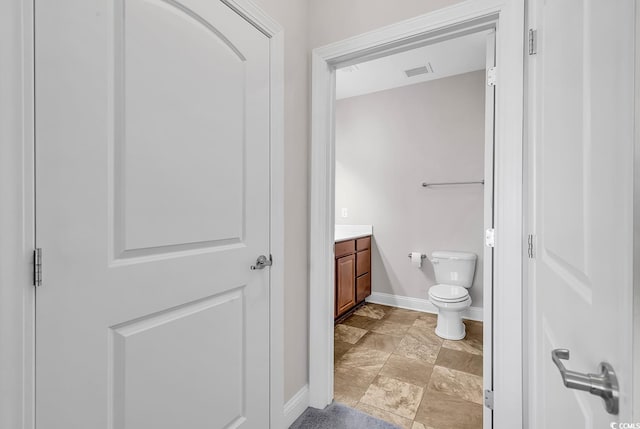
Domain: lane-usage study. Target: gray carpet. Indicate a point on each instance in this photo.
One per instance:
(338, 416)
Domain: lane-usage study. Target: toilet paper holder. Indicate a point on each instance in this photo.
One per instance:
(423, 256)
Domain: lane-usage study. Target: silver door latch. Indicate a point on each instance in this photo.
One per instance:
(262, 262)
(604, 384)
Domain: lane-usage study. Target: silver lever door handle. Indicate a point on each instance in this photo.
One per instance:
(262, 262)
(604, 384)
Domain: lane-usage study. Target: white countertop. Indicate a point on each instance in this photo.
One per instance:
(349, 232)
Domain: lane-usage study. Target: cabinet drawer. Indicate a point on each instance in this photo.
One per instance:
(363, 262)
(363, 243)
(345, 247)
(363, 287)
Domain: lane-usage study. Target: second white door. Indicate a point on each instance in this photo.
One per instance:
(152, 195)
(581, 184)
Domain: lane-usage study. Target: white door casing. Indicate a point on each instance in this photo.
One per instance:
(467, 16)
(153, 189)
(487, 281)
(581, 183)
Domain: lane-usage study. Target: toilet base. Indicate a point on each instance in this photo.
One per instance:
(448, 335)
(450, 326)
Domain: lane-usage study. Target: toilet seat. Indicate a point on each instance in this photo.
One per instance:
(448, 293)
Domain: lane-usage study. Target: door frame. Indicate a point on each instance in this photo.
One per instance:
(636, 226)
(488, 223)
(508, 17)
(17, 196)
(635, 319)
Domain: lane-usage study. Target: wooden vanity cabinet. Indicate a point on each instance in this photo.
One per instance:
(352, 273)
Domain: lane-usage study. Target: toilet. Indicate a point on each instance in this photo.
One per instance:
(454, 274)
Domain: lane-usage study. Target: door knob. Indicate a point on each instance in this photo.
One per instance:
(604, 384)
(262, 262)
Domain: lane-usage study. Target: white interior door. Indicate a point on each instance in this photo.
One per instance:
(581, 214)
(152, 194)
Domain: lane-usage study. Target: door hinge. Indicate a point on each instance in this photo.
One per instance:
(490, 237)
(492, 76)
(488, 399)
(533, 41)
(37, 267)
(530, 246)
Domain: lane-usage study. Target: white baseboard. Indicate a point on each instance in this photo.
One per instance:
(296, 406)
(418, 304)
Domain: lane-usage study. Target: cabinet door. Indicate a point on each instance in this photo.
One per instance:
(345, 283)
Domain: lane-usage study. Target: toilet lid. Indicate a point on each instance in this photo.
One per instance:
(448, 293)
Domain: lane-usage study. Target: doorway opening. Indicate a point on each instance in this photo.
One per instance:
(504, 214)
(413, 199)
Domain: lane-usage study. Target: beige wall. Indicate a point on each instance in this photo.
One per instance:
(335, 20)
(292, 16)
(387, 144)
(331, 20)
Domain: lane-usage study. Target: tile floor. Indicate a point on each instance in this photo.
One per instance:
(390, 364)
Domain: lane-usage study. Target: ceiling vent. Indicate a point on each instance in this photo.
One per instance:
(419, 70)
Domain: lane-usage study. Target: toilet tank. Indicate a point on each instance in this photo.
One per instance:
(454, 268)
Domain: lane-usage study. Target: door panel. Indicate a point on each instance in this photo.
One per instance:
(173, 115)
(563, 114)
(581, 188)
(163, 353)
(152, 177)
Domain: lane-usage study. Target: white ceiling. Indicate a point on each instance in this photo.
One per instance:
(452, 57)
